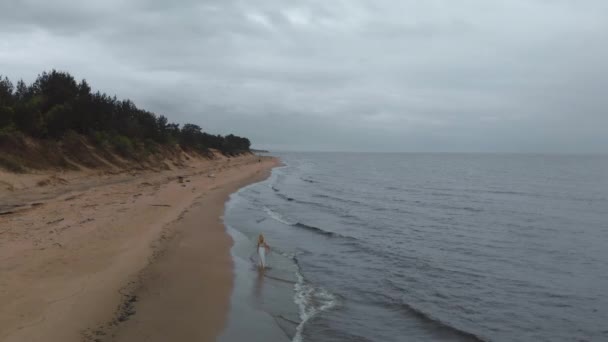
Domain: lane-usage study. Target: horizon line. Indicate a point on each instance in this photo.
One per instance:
(435, 152)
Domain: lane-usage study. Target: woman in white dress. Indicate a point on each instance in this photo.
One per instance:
(263, 248)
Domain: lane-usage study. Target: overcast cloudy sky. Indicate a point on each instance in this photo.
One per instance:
(377, 75)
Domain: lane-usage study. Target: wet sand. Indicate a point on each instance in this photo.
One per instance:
(130, 257)
(262, 306)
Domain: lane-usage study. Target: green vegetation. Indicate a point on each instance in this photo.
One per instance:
(58, 108)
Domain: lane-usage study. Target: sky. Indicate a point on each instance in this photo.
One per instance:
(338, 75)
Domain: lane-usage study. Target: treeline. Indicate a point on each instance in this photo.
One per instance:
(56, 105)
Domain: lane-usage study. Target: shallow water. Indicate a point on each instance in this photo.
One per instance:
(433, 247)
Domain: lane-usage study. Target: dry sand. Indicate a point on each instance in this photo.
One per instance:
(139, 256)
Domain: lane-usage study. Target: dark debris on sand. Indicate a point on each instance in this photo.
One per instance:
(125, 310)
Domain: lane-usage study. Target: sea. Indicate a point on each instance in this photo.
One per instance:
(423, 247)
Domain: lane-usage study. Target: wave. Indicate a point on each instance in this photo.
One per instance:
(287, 198)
(338, 199)
(420, 314)
(432, 205)
(277, 191)
(280, 218)
(499, 192)
(470, 209)
(314, 229)
(335, 210)
(311, 302)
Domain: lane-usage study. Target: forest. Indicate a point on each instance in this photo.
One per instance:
(56, 106)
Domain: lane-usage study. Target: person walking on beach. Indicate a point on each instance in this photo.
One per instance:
(263, 248)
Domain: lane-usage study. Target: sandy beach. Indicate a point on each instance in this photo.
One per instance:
(128, 256)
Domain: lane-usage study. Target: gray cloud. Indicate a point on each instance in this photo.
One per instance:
(338, 75)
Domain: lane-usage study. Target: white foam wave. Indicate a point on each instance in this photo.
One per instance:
(311, 301)
(277, 216)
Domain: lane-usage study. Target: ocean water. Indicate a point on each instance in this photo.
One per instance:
(431, 247)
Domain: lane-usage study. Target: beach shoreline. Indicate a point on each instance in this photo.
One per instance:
(108, 261)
